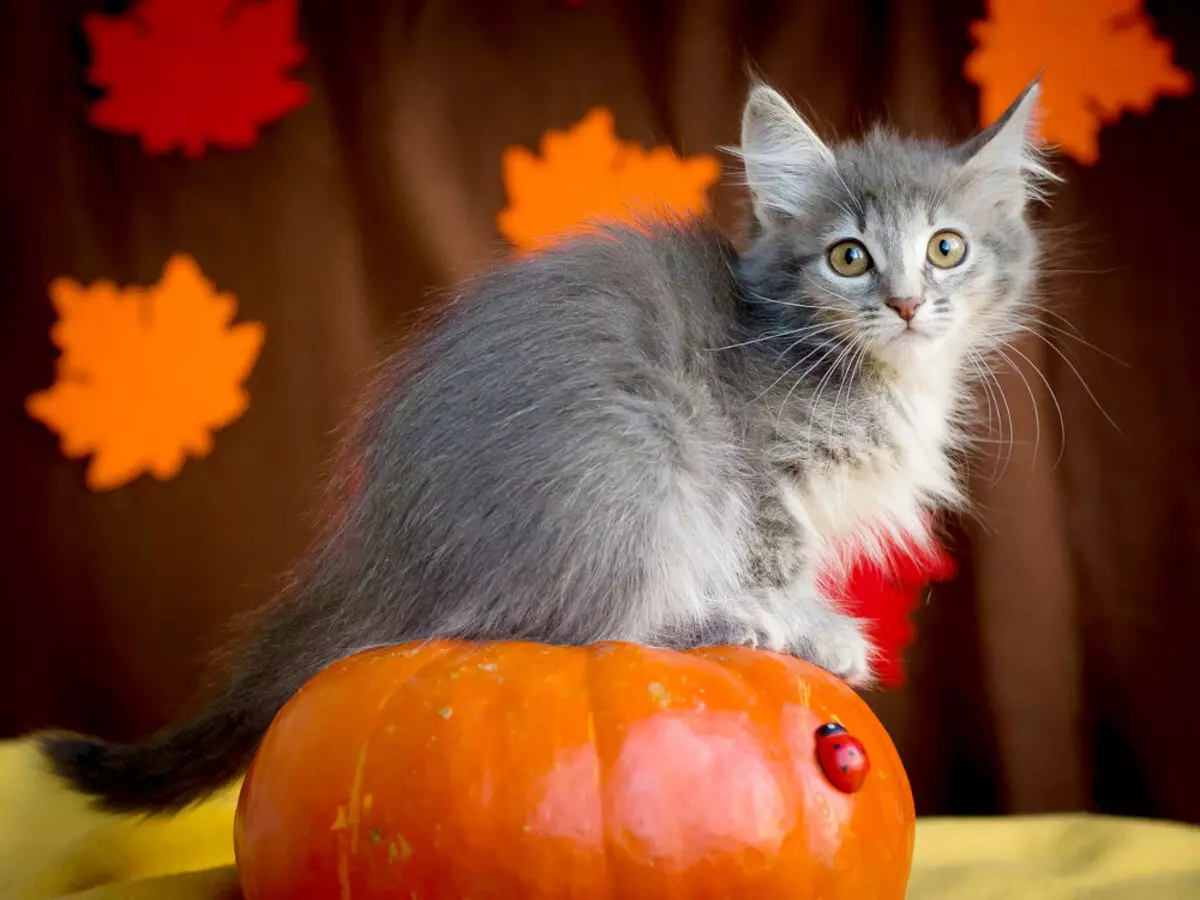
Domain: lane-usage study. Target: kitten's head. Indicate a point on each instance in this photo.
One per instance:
(902, 248)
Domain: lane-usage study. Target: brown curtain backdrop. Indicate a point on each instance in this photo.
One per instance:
(1058, 672)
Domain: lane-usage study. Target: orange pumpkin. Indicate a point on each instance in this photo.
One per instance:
(514, 770)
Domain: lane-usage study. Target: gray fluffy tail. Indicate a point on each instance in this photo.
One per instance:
(172, 769)
(189, 761)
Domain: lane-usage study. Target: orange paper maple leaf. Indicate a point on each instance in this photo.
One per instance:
(1101, 58)
(586, 173)
(145, 374)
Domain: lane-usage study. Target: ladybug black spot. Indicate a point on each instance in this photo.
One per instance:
(844, 767)
(838, 746)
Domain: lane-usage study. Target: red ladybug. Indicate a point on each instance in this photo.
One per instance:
(842, 757)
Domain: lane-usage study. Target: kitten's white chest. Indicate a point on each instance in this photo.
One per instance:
(881, 495)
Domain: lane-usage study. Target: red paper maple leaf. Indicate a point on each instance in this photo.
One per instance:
(187, 73)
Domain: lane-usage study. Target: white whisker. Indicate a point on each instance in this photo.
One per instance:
(991, 404)
(800, 378)
(793, 367)
(1075, 336)
(807, 329)
(812, 406)
(855, 366)
(786, 350)
(1082, 382)
(1033, 399)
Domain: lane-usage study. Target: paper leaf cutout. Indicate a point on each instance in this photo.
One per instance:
(586, 173)
(145, 374)
(1101, 58)
(188, 73)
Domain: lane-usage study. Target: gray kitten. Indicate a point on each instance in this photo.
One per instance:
(644, 435)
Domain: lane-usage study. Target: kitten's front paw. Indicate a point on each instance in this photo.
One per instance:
(742, 632)
(838, 645)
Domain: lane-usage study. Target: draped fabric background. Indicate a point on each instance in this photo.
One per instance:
(1058, 672)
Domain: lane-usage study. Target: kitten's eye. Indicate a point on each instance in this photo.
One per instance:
(947, 249)
(849, 258)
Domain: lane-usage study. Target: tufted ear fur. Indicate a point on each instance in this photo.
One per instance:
(1009, 148)
(783, 156)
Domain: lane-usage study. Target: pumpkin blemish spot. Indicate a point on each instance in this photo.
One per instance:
(445, 712)
(660, 695)
(339, 823)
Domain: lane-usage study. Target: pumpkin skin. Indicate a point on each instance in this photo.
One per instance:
(446, 770)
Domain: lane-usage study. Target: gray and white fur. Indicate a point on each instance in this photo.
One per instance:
(645, 435)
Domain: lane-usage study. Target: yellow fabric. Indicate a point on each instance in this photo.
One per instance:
(52, 845)
(1055, 858)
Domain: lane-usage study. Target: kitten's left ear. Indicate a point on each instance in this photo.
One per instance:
(1010, 146)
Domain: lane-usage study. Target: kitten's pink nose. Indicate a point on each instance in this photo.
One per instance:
(905, 307)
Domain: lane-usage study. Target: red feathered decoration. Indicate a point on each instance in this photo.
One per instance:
(188, 73)
(886, 598)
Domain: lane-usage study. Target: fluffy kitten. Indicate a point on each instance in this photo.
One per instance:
(648, 436)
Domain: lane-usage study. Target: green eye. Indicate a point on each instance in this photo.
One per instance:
(849, 258)
(947, 249)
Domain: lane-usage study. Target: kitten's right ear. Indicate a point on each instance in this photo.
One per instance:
(783, 156)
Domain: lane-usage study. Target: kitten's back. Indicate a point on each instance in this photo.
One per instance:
(548, 434)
